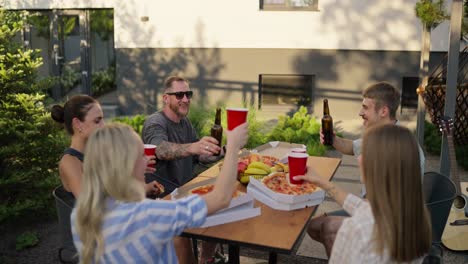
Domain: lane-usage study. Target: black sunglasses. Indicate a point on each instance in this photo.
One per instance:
(180, 95)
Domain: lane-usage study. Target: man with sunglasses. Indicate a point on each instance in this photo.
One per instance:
(178, 147)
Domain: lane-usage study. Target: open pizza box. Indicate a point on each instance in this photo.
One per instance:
(241, 207)
(264, 198)
(318, 195)
(277, 149)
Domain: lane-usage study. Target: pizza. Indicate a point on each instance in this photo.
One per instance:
(268, 160)
(202, 190)
(279, 183)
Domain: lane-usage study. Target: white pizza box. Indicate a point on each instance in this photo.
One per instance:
(240, 208)
(286, 198)
(263, 198)
(185, 191)
(278, 149)
(241, 212)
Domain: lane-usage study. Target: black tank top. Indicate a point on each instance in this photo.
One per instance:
(66, 194)
(74, 153)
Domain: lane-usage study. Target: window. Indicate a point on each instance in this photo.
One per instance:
(284, 89)
(409, 97)
(289, 5)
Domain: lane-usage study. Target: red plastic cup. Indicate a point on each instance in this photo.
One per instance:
(150, 150)
(297, 166)
(298, 150)
(236, 116)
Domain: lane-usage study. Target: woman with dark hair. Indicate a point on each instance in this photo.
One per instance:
(81, 115)
(393, 225)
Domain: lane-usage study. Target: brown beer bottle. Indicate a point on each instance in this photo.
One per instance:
(327, 124)
(217, 129)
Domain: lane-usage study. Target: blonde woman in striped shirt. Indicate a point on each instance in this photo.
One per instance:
(114, 223)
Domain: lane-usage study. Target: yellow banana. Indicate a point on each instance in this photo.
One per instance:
(282, 167)
(245, 179)
(259, 165)
(279, 168)
(258, 177)
(255, 171)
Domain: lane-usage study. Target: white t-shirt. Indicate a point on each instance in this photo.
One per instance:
(357, 145)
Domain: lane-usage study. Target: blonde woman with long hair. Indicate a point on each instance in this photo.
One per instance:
(393, 225)
(114, 223)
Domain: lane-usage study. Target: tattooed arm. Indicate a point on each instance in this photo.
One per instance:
(171, 151)
(158, 130)
(205, 147)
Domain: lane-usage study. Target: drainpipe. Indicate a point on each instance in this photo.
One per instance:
(452, 73)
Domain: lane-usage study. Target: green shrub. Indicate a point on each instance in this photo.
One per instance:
(300, 128)
(201, 119)
(136, 122)
(103, 81)
(432, 138)
(26, 240)
(31, 142)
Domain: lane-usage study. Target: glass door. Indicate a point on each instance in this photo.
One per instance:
(69, 45)
(77, 47)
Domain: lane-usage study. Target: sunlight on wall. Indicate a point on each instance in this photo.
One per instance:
(344, 24)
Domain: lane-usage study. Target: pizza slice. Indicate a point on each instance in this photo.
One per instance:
(204, 189)
(278, 182)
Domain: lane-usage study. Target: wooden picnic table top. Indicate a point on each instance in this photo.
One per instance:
(273, 230)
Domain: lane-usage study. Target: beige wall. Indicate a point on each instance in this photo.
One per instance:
(230, 76)
(344, 24)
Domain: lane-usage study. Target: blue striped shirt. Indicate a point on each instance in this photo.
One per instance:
(142, 232)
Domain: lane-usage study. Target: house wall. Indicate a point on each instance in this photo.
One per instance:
(230, 76)
(343, 24)
(223, 46)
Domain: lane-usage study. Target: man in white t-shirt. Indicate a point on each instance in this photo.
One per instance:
(379, 105)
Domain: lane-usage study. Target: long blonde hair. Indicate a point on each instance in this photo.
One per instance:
(392, 175)
(109, 161)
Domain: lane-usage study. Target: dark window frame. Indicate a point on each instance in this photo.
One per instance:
(286, 7)
(311, 78)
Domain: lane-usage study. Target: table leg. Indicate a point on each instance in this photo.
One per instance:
(195, 247)
(272, 258)
(234, 254)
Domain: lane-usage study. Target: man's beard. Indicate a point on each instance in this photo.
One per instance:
(175, 109)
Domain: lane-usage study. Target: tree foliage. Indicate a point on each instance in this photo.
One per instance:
(30, 143)
(431, 13)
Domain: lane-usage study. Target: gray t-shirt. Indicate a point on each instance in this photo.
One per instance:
(170, 173)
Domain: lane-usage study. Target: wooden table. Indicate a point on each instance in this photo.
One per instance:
(274, 230)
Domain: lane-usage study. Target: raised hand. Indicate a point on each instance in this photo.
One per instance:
(238, 137)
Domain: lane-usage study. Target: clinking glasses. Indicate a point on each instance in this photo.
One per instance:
(180, 95)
